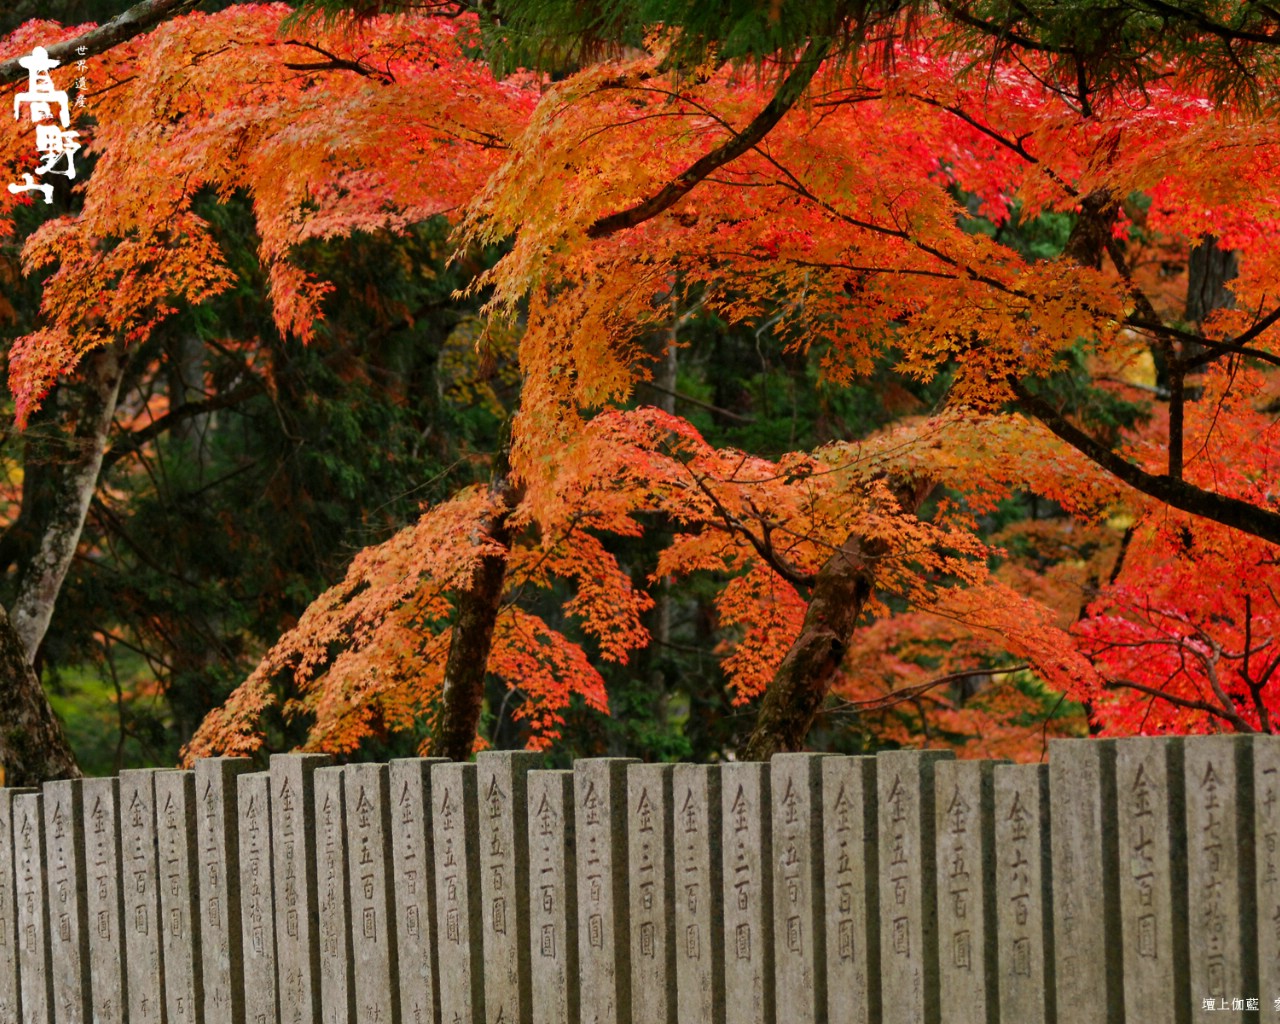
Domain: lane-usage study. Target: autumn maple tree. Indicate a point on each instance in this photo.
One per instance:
(855, 181)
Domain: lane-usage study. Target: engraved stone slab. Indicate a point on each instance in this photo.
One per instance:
(144, 966)
(1153, 908)
(1266, 803)
(65, 867)
(651, 898)
(34, 967)
(1085, 868)
(454, 820)
(413, 854)
(504, 880)
(852, 889)
(294, 874)
(1024, 918)
(699, 888)
(10, 1000)
(908, 885)
(257, 903)
(553, 898)
(600, 800)
(748, 893)
(104, 902)
(179, 908)
(365, 796)
(1220, 869)
(799, 932)
(337, 991)
(966, 892)
(218, 867)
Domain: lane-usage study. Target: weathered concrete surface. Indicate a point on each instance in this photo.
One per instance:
(908, 889)
(852, 889)
(553, 898)
(218, 869)
(699, 889)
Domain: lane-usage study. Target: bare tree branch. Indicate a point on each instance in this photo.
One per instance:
(911, 693)
(139, 18)
(1236, 722)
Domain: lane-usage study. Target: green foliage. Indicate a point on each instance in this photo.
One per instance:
(210, 540)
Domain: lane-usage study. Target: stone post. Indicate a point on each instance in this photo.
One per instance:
(369, 871)
(908, 886)
(1266, 811)
(413, 857)
(1220, 870)
(1024, 894)
(10, 1000)
(68, 928)
(1086, 900)
(294, 873)
(143, 955)
(966, 859)
(458, 927)
(337, 992)
(650, 906)
(35, 972)
(799, 925)
(600, 797)
(179, 905)
(699, 894)
(852, 889)
(553, 898)
(504, 881)
(257, 899)
(748, 893)
(1153, 878)
(218, 869)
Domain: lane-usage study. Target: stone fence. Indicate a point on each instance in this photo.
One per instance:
(1125, 881)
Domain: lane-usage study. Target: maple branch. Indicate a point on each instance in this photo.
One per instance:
(336, 63)
(789, 92)
(135, 439)
(1221, 508)
(801, 189)
(763, 544)
(1235, 346)
(1236, 721)
(139, 18)
(681, 396)
(919, 689)
(1255, 686)
(1211, 673)
(853, 268)
(1014, 145)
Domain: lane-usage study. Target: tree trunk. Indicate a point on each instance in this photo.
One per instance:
(193, 633)
(799, 687)
(841, 590)
(77, 479)
(462, 695)
(33, 748)
(1208, 271)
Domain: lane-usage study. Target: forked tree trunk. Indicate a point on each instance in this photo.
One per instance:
(803, 680)
(841, 590)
